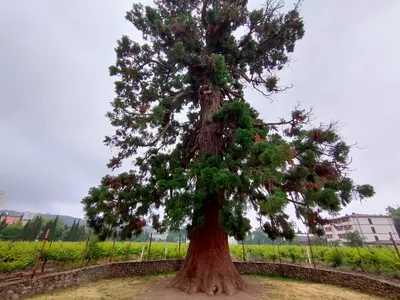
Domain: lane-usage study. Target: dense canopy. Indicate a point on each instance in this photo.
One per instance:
(200, 151)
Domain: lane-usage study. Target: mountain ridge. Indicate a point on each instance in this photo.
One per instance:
(67, 220)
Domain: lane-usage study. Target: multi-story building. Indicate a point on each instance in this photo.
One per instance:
(375, 229)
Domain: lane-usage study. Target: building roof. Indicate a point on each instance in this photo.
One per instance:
(361, 216)
(11, 220)
(383, 242)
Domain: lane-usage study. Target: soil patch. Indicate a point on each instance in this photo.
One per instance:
(155, 288)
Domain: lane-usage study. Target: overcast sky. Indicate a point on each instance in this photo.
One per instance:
(55, 90)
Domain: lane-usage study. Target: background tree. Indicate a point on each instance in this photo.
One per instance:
(174, 235)
(394, 212)
(3, 223)
(33, 228)
(206, 168)
(12, 232)
(257, 237)
(75, 233)
(353, 239)
(144, 236)
(56, 229)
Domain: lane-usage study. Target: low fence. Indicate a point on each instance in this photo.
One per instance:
(67, 279)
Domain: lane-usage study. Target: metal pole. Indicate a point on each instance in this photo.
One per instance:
(394, 244)
(148, 254)
(40, 253)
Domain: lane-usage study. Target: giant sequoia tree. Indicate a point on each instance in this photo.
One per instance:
(200, 150)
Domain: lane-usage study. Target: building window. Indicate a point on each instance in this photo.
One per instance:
(369, 221)
(376, 238)
(329, 236)
(373, 229)
(328, 229)
(348, 227)
(340, 236)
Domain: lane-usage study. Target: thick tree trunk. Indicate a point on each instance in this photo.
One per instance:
(208, 265)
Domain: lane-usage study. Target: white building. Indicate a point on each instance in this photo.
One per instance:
(374, 228)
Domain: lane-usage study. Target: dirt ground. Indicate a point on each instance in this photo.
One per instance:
(154, 288)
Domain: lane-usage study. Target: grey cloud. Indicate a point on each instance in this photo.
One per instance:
(55, 90)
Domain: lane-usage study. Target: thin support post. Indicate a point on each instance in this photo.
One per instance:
(311, 251)
(179, 247)
(244, 253)
(148, 254)
(40, 253)
(361, 259)
(86, 246)
(308, 256)
(166, 250)
(141, 255)
(279, 254)
(394, 244)
(113, 246)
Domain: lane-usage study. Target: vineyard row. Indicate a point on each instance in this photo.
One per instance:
(22, 255)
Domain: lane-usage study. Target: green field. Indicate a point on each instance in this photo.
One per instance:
(22, 255)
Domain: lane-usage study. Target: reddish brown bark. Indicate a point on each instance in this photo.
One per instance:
(208, 265)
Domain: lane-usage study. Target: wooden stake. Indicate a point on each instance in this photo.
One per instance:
(40, 253)
(113, 246)
(141, 255)
(308, 256)
(86, 246)
(361, 258)
(279, 254)
(244, 254)
(394, 244)
(148, 254)
(179, 247)
(312, 254)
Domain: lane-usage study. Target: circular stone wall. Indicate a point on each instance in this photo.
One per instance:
(125, 269)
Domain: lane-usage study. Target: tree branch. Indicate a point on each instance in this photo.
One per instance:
(229, 92)
(168, 124)
(204, 13)
(155, 141)
(294, 121)
(242, 74)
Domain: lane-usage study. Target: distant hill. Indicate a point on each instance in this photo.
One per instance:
(67, 220)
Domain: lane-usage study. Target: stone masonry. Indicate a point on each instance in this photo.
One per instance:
(67, 279)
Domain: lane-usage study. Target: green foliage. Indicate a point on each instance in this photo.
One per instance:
(394, 212)
(257, 237)
(12, 232)
(193, 61)
(353, 239)
(22, 255)
(221, 76)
